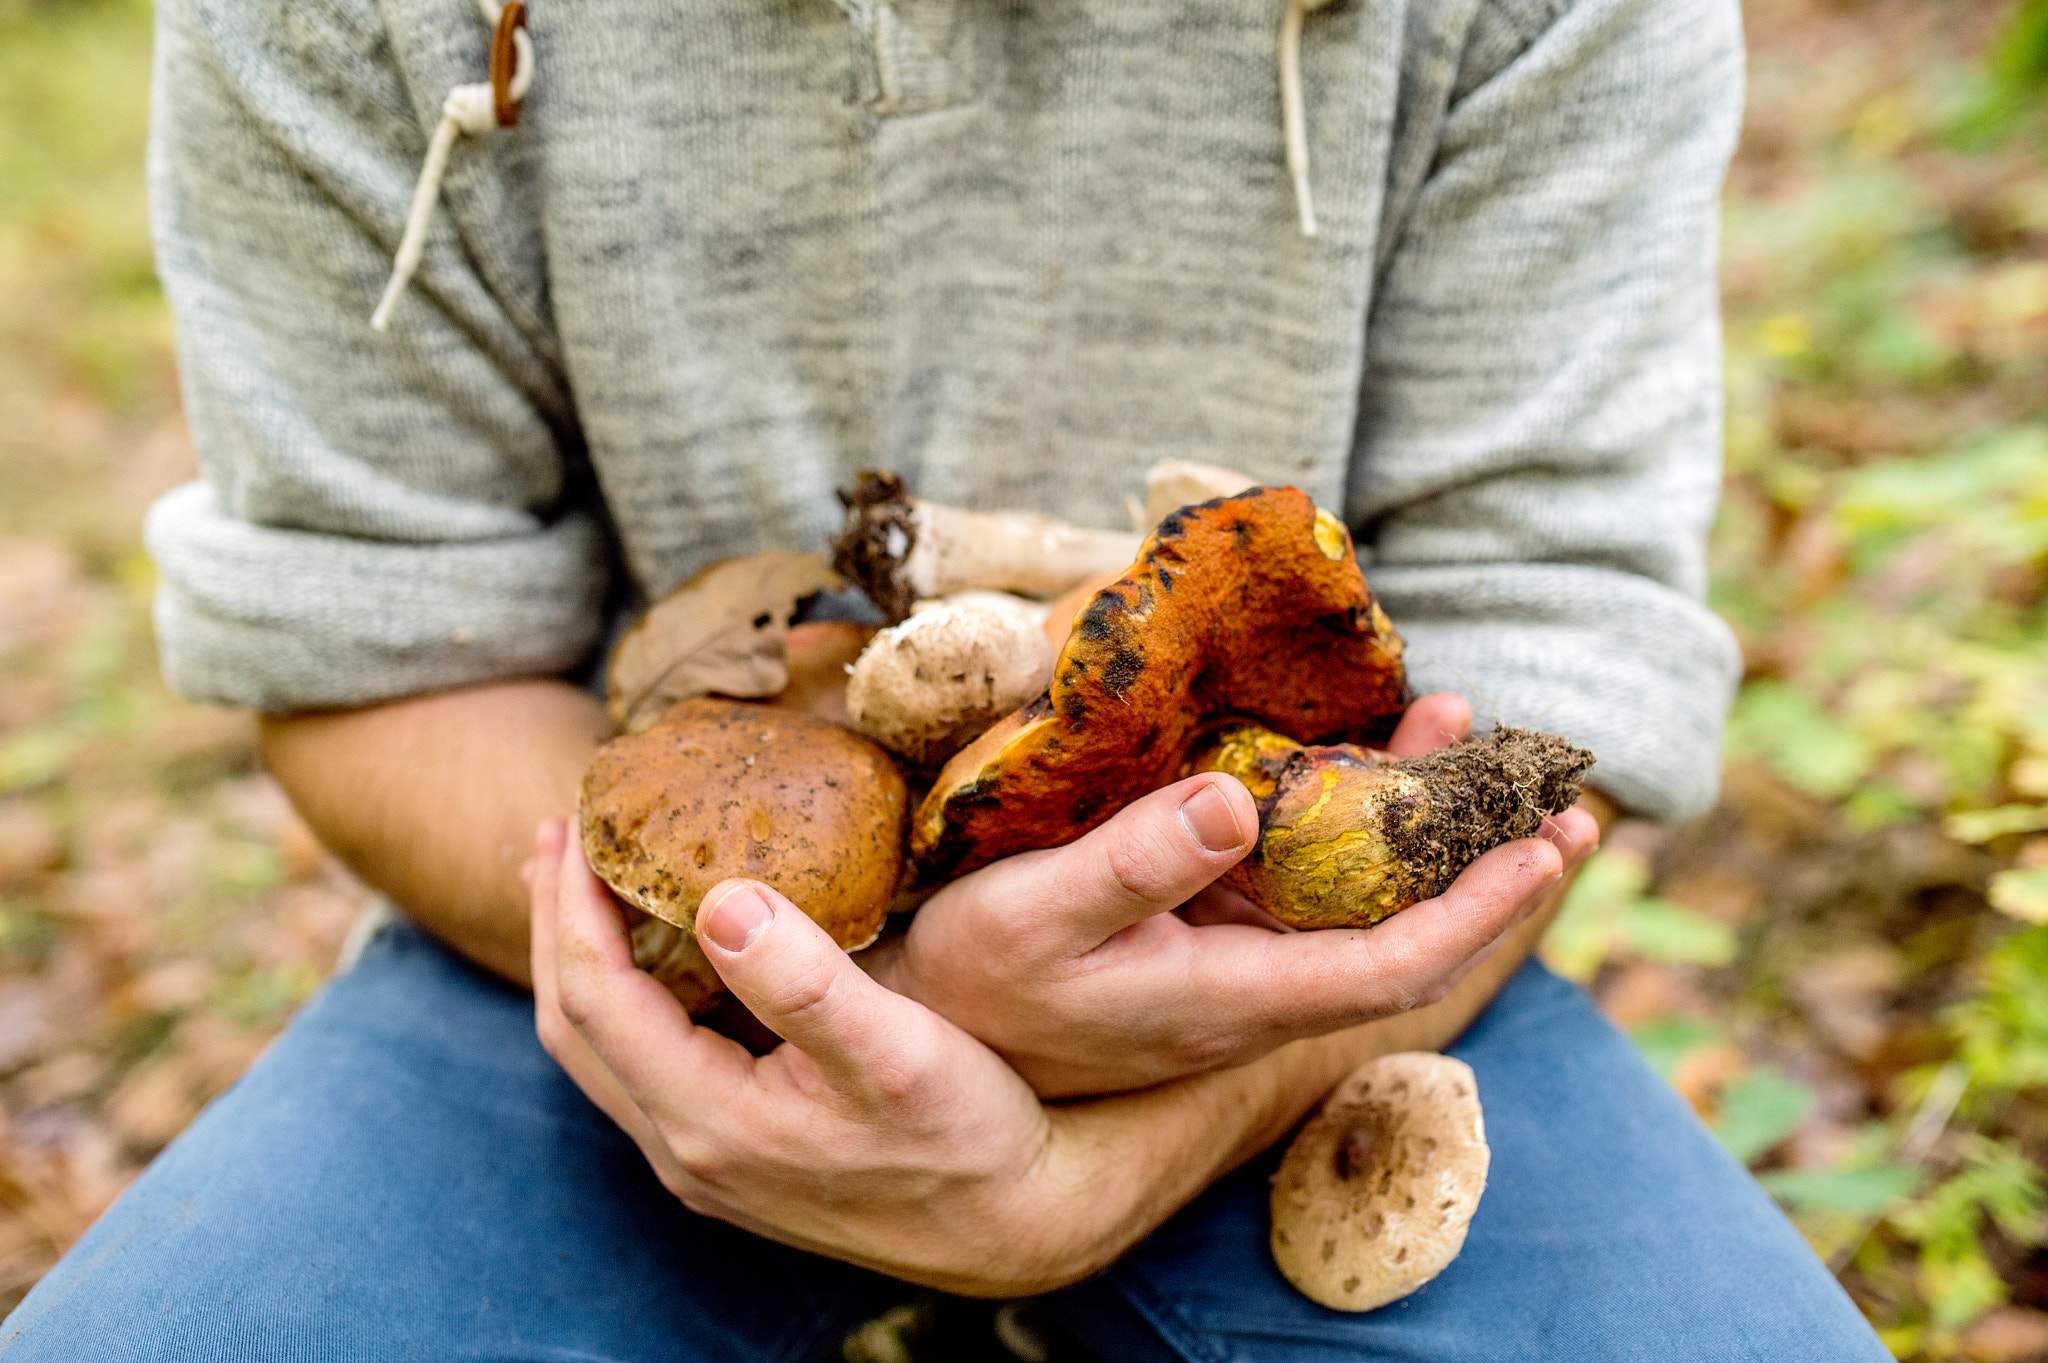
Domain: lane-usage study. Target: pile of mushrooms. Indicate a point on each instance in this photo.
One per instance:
(1030, 680)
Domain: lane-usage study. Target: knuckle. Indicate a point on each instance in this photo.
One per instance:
(701, 1167)
(897, 1081)
(810, 993)
(579, 999)
(693, 1199)
(1139, 866)
(1001, 937)
(549, 1025)
(1203, 1049)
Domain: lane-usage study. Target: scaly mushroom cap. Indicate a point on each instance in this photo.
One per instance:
(1250, 605)
(926, 687)
(1349, 836)
(1373, 1198)
(717, 788)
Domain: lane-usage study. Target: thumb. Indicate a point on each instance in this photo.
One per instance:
(1154, 856)
(799, 983)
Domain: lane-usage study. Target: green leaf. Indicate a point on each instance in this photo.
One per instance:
(1665, 931)
(1666, 1041)
(1982, 825)
(35, 757)
(2021, 894)
(1590, 924)
(1789, 732)
(1858, 1192)
(1759, 1110)
(2002, 1033)
(1960, 1289)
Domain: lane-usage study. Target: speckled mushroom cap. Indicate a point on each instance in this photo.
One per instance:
(719, 788)
(1373, 1198)
(1250, 605)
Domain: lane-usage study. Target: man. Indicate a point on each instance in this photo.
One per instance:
(732, 251)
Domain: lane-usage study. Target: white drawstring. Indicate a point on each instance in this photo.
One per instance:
(469, 109)
(1293, 118)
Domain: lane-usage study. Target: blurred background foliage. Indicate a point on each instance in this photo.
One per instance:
(1844, 968)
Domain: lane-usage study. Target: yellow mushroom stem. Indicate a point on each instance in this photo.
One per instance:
(1348, 836)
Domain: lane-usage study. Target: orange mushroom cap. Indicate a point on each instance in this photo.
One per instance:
(1250, 605)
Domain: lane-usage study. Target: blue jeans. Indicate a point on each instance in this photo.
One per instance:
(406, 1175)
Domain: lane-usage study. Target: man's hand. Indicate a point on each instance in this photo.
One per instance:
(881, 1134)
(1073, 966)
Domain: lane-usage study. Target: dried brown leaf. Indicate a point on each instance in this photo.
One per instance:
(30, 841)
(721, 633)
(154, 1102)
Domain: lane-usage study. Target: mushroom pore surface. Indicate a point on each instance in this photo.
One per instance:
(1249, 605)
(716, 789)
(1374, 1196)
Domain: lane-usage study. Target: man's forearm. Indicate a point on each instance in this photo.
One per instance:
(434, 799)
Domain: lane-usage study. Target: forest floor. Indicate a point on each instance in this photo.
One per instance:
(1844, 967)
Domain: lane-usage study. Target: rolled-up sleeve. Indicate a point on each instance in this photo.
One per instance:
(379, 514)
(1541, 425)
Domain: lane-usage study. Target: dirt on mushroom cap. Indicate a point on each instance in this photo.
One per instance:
(1250, 605)
(716, 789)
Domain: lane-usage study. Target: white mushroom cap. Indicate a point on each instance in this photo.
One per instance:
(1034, 611)
(926, 688)
(1172, 484)
(1373, 1198)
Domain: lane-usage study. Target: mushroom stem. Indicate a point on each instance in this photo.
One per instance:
(1348, 837)
(903, 549)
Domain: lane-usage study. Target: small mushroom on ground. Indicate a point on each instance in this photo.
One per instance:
(719, 788)
(1373, 1198)
(923, 689)
(903, 549)
(720, 633)
(1250, 605)
(1348, 836)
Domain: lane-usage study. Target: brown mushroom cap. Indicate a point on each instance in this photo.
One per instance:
(1373, 1198)
(717, 788)
(1250, 605)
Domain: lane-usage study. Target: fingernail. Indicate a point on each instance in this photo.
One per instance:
(1208, 815)
(734, 919)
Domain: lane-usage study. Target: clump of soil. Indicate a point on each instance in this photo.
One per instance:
(1484, 792)
(878, 535)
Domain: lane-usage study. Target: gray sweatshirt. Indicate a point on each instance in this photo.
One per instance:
(1016, 250)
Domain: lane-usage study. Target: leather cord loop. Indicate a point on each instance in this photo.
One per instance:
(505, 62)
